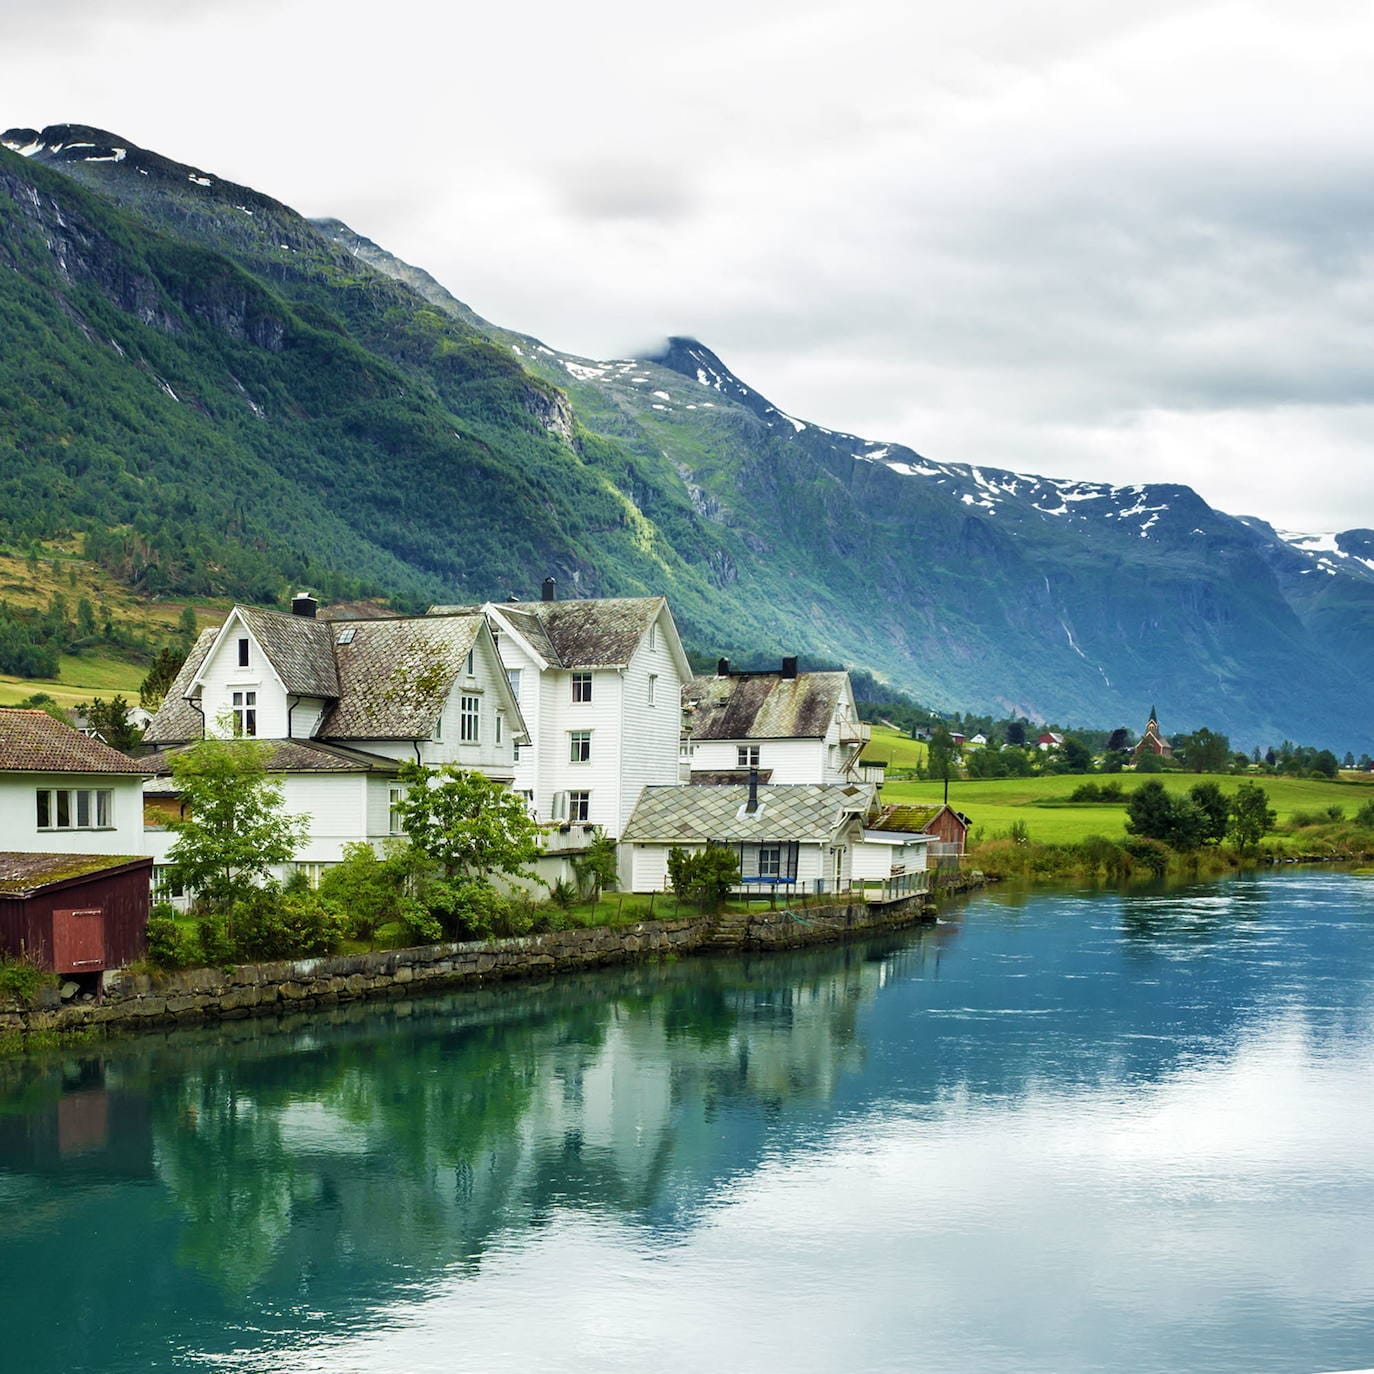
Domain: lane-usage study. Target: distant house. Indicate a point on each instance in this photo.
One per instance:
(1152, 742)
(64, 792)
(979, 740)
(798, 727)
(76, 914)
(947, 828)
(791, 837)
(599, 682)
(341, 705)
(1050, 739)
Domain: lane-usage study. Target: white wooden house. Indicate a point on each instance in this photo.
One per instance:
(796, 837)
(62, 792)
(599, 682)
(793, 727)
(342, 704)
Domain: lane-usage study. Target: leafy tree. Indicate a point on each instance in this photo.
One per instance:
(1325, 763)
(1119, 742)
(1205, 751)
(1075, 755)
(186, 624)
(1250, 815)
(1016, 733)
(1155, 813)
(160, 677)
(470, 826)
(941, 754)
(110, 720)
(236, 830)
(1213, 810)
(1149, 762)
(371, 891)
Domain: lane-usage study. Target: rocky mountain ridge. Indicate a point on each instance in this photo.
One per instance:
(967, 586)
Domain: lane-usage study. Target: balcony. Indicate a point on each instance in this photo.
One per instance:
(855, 732)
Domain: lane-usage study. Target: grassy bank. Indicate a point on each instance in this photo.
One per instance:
(1042, 804)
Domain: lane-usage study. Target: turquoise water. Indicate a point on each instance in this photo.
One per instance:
(1060, 1132)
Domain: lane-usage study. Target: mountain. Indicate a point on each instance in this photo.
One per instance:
(231, 398)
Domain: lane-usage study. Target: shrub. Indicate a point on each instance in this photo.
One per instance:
(562, 894)
(274, 923)
(368, 891)
(1151, 854)
(704, 876)
(1098, 853)
(471, 910)
(1018, 833)
(1364, 817)
(20, 979)
(170, 943)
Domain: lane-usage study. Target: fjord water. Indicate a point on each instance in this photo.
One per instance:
(1059, 1132)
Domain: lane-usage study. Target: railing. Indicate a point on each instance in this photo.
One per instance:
(855, 732)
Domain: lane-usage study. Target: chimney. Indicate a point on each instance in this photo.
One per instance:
(549, 591)
(752, 804)
(304, 604)
(722, 667)
(789, 667)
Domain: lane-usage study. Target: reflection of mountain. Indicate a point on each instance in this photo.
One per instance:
(301, 1177)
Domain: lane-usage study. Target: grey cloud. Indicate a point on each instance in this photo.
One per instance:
(624, 190)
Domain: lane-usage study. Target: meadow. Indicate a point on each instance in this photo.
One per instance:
(1042, 805)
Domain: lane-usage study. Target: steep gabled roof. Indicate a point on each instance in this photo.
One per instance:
(791, 811)
(299, 648)
(176, 720)
(33, 742)
(395, 675)
(762, 705)
(912, 818)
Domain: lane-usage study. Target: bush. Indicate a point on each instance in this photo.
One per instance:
(704, 876)
(275, 923)
(471, 910)
(1364, 817)
(368, 892)
(1094, 792)
(20, 979)
(170, 943)
(1151, 854)
(1097, 853)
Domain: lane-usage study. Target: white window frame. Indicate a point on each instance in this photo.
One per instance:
(243, 707)
(96, 804)
(747, 755)
(579, 805)
(653, 685)
(472, 661)
(469, 719)
(394, 793)
(581, 688)
(770, 861)
(244, 652)
(579, 746)
(513, 682)
(499, 727)
(653, 634)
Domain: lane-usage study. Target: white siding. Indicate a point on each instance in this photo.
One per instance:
(651, 733)
(306, 717)
(792, 760)
(221, 676)
(602, 717)
(19, 814)
(336, 807)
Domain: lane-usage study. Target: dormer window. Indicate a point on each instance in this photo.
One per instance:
(243, 652)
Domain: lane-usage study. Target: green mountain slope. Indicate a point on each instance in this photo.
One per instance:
(230, 400)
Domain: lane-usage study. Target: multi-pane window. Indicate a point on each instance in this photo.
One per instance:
(579, 746)
(245, 712)
(243, 653)
(770, 861)
(653, 687)
(747, 755)
(579, 806)
(653, 635)
(469, 726)
(75, 808)
(582, 686)
(513, 677)
(394, 824)
(515, 750)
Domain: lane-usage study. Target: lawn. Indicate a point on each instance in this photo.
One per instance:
(994, 806)
(79, 679)
(899, 750)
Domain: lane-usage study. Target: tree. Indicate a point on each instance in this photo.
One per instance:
(1213, 810)
(1205, 751)
(1120, 741)
(1156, 814)
(940, 754)
(236, 830)
(1250, 816)
(704, 876)
(1016, 733)
(470, 826)
(186, 624)
(1076, 756)
(160, 677)
(1326, 764)
(110, 720)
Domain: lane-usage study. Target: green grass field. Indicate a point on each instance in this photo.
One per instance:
(899, 750)
(994, 806)
(80, 679)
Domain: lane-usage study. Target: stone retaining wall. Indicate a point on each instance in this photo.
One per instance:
(210, 994)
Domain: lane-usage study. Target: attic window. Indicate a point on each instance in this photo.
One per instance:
(653, 635)
(472, 661)
(243, 653)
(346, 634)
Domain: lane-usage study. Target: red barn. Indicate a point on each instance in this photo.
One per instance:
(74, 913)
(948, 826)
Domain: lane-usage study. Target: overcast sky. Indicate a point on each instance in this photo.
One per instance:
(1079, 238)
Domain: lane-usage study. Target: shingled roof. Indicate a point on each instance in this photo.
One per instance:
(912, 818)
(395, 675)
(300, 649)
(176, 720)
(763, 705)
(33, 742)
(787, 811)
(23, 874)
(284, 756)
(599, 632)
